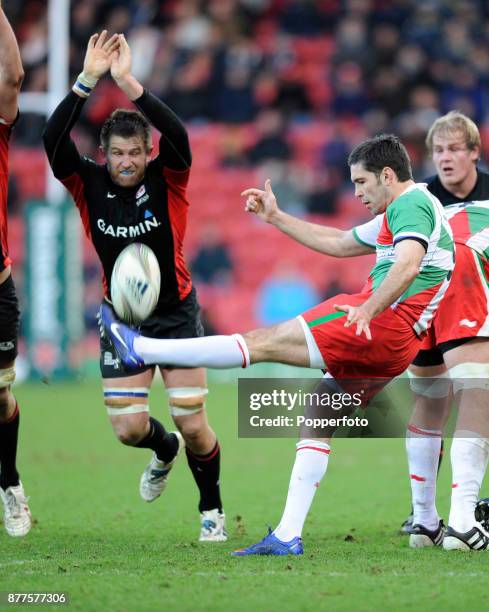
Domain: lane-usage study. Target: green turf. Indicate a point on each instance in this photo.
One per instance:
(95, 538)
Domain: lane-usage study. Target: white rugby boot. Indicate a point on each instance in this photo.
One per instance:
(213, 526)
(17, 516)
(155, 477)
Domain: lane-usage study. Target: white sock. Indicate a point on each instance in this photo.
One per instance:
(309, 468)
(469, 457)
(207, 352)
(423, 452)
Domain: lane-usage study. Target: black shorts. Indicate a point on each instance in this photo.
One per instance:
(183, 321)
(9, 322)
(434, 356)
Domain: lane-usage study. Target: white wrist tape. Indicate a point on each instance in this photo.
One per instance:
(84, 84)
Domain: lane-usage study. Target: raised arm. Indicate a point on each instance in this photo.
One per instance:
(321, 238)
(62, 153)
(174, 143)
(60, 148)
(11, 72)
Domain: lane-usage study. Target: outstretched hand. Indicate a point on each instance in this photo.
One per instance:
(99, 54)
(120, 66)
(261, 202)
(355, 314)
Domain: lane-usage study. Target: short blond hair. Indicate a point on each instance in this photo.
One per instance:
(454, 121)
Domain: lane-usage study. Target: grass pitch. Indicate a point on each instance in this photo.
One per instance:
(96, 540)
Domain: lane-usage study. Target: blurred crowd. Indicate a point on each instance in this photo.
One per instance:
(292, 84)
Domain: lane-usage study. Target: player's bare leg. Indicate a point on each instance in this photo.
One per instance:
(432, 392)
(17, 516)
(284, 343)
(469, 370)
(187, 391)
(126, 400)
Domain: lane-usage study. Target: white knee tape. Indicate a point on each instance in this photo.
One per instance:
(434, 387)
(186, 400)
(133, 409)
(470, 376)
(7, 377)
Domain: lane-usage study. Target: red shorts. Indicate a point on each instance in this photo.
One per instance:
(393, 346)
(464, 311)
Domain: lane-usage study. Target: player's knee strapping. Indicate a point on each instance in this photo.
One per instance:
(433, 387)
(7, 377)
(470, 376)
(186, 400)
(126, 400)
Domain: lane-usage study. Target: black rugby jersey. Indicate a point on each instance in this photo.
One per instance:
(153, 212)
(479, 192)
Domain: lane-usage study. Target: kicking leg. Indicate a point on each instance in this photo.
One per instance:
(284, 343)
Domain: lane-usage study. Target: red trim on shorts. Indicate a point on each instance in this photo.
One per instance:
(316, 448)
(423, 432)
(454, 485)
(417, 478)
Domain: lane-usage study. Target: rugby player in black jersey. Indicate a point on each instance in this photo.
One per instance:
(454, 144)
(135, 197)
(17, 518)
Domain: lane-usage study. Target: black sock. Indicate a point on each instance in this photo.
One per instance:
(205, 469)
(8, 451)
(164, 444)
(440, 456)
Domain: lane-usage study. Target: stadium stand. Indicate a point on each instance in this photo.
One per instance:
(335, 71)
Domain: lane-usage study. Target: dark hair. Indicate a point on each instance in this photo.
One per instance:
(381, 151)
(125, 123)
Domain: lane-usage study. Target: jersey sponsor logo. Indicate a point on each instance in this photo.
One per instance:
(7, 346)
(110, 195)
(467, 323)
(141, 196)
(128, 231)
(142, 200)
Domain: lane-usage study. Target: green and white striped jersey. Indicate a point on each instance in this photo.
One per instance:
(415, 215)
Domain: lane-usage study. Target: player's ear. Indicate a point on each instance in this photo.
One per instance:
(475, 154)
(102, 151)
(387, 175)
(149, 151)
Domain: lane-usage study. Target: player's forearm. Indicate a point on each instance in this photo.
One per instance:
(324, 239)
(398, 279)
(11, 71)
(131, 87)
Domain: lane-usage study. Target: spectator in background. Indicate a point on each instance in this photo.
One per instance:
(271, 143)
(290, 184)
(212, 263)
(284, 295)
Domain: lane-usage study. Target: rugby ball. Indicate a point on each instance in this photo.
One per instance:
(135, 283)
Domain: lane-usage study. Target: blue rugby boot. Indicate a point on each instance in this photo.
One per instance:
(120, 336)
(271, 545)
